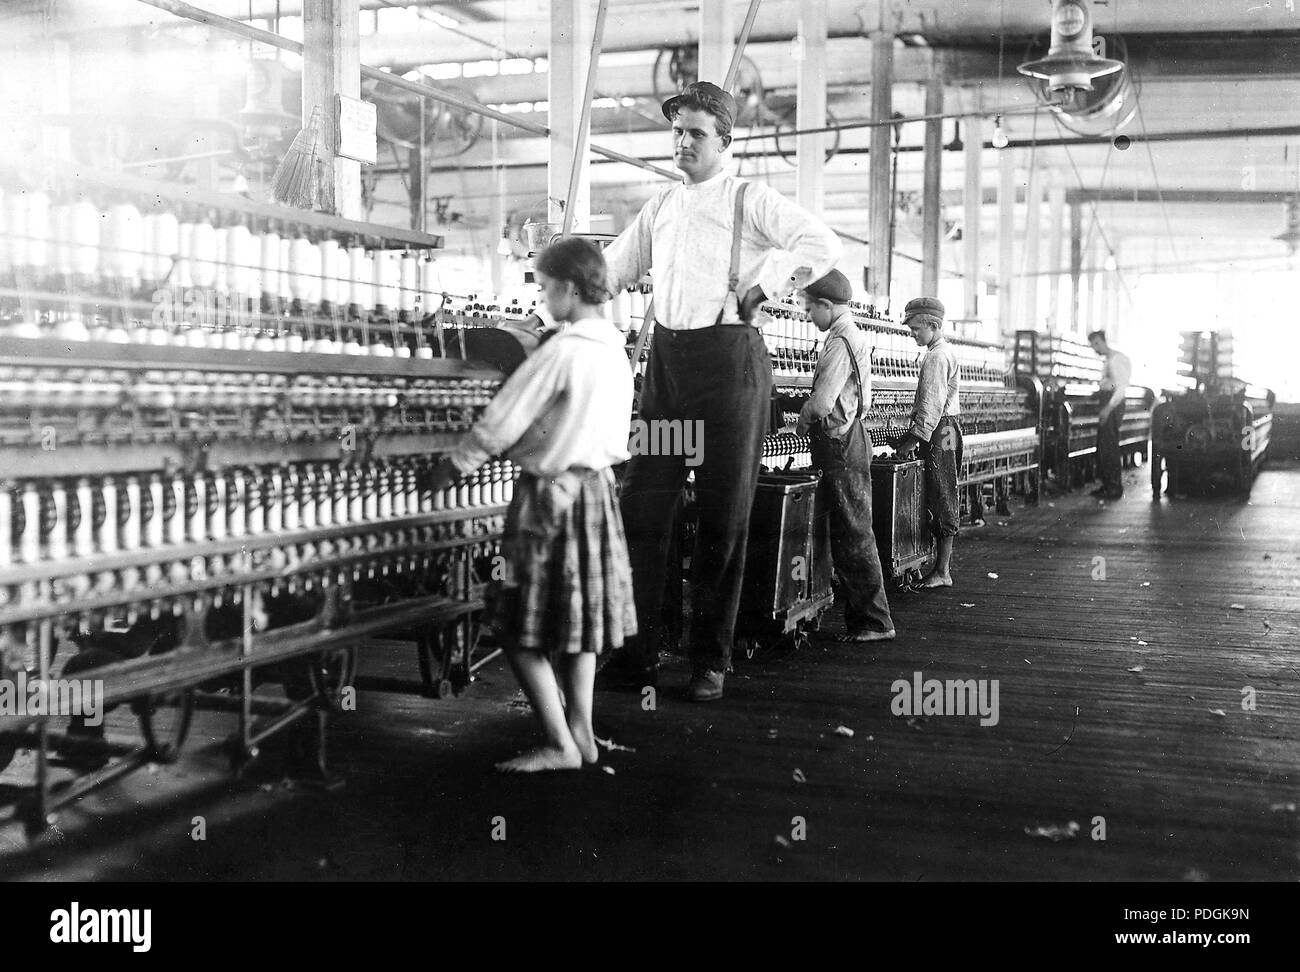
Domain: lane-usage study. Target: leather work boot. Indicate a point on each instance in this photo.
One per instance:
(705, 686)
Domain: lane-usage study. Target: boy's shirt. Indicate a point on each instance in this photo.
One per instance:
(835, 397)
(568, 405)
(937, 390)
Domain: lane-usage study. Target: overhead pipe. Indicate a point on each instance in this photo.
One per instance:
(1203, 135)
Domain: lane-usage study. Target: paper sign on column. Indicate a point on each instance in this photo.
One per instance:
(356, 129)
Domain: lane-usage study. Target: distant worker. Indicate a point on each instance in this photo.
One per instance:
(841, 450)
(1114, 383)
(934, 429)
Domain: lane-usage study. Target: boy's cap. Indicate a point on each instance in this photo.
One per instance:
(929, 306)
(834, 287)
(717, 100)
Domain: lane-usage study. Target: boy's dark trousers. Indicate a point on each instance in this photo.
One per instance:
(1110, 465)
(845, 490)
(720, 377)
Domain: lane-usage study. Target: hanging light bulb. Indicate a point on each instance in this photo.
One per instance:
(999, 139)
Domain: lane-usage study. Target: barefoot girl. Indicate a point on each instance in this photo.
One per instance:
(563, 416)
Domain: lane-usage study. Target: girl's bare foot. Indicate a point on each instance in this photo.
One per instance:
(543, 759)
(586, 740)
(936, 579)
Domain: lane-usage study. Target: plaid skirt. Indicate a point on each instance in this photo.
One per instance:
(568, 581)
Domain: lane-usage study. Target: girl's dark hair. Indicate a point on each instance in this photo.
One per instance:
(578, 262)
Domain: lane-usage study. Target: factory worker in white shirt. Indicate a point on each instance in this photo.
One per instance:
(709, 370)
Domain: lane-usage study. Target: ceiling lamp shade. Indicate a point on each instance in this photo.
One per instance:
(1070, 65)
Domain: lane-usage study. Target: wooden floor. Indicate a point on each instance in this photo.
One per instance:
(1119, 698)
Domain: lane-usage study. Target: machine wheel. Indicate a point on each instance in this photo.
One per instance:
(165, 723)
(445, 659)
(324, 675)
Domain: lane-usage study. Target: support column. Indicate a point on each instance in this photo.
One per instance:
(1006, 245)
(811, 110)
(1110, 306)
(881, 194)
(1056, 227)
(566, 83)
(1106, 297)
(717, 40)
(331, 66)
(1096, 256)
(932, 184)
(498, 222)
(1114, 326)
(973, 204)
(1076, 265)
(1033, 230)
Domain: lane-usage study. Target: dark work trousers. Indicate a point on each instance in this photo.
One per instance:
(1110, 466)
(845, 489)
(943, 455)
(721, 377)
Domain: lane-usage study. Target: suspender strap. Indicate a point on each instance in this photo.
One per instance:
(733, 280)
(857, 376)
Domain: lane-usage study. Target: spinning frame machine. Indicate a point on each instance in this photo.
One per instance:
(1220, 427)
(215, 426)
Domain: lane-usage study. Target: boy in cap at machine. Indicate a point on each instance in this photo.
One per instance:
(832, 416)
(934, 429)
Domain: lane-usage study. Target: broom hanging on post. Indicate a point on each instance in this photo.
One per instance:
(296, 177)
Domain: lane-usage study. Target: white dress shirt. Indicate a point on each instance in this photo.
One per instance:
(684, 235)
(568, 405)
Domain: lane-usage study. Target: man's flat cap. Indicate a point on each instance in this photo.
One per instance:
(714, 99)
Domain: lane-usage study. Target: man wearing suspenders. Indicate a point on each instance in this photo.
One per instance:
(842, 451)
(708, 365)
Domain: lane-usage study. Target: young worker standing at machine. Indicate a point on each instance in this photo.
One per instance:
(708, 364)
(842, 451)
(1114, 383)
(934, 429)
(563, 416)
